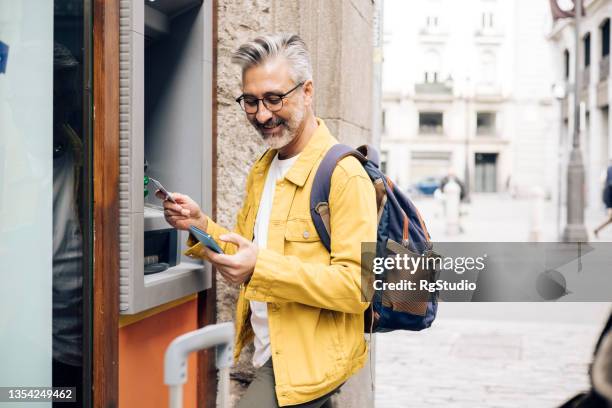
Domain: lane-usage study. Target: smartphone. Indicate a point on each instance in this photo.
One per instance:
(161, 188)
(205, 239)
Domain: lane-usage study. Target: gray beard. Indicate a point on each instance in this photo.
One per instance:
(286, 135)
(281, 140)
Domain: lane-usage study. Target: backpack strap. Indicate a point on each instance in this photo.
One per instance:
(370, 153)
(319, 195)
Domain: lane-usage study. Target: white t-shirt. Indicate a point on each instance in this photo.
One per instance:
(259, 310)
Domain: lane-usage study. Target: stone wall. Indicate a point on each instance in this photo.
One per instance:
(339, 36)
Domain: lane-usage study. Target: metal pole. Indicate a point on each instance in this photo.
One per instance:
(175, 396)
(466, 173)
(560, 155)
(377, 39)
(575, 230)
(175, 360)
(560, 94)
(223, 400)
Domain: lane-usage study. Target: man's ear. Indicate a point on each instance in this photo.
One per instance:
(308, 92)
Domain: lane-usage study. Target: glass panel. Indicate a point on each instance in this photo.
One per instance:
(587, 50)
(70, 199)
(431, 123)
(605, 38)
(44, 202)
(26, 193)
(485, 123)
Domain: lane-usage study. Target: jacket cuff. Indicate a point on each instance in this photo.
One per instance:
(195, 251)
(191, 240)
(213, 229)
(194, 247)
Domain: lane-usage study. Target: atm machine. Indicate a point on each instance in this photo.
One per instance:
(165, 133)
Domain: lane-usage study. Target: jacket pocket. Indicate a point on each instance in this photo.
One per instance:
(302, 240)
(337, 335)
(301, 230)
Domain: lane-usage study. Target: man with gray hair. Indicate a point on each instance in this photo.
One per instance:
(301, 305)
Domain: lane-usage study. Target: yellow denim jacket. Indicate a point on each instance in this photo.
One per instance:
(315, 307)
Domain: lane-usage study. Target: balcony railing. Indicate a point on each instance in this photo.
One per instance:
(435, 30)
(604, 68)
(431, 129)
(486, 131)
(439, 88)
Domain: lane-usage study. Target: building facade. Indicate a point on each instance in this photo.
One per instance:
(467, 89)
(594, 62)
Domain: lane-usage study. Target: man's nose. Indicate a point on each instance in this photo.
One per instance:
(263, 114)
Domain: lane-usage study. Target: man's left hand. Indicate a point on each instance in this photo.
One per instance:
(239, 267)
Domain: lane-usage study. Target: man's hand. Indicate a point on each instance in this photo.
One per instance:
(184, 213)
(239, 267)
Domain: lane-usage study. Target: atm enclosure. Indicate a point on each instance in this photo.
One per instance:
(165, 133)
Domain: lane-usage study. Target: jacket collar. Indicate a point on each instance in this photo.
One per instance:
(298, 173)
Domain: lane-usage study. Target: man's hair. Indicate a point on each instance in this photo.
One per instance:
(263, 48)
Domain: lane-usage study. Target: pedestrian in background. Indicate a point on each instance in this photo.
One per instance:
(451, 176)
(607, 199)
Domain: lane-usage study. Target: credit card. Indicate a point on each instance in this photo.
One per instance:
(161, 188)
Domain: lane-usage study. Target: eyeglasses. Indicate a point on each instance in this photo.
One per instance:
(272, 102)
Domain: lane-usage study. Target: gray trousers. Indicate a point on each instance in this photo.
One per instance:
(261, 392)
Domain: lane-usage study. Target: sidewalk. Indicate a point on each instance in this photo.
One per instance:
(486, 364)
(500, 218)
(492, 354)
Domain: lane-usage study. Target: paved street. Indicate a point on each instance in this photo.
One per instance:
(491, 354)
(484, 363)
(501, 218)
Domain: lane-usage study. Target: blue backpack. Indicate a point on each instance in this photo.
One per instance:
(400, 230)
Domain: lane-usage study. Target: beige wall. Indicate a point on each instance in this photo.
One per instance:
(339, 36)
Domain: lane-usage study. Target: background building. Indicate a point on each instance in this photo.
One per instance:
(482, 72)
(469, 82)
(594, 95)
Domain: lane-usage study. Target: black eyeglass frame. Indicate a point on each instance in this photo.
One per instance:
(282, 97)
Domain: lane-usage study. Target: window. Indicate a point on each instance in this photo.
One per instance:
(431, 123)
(566, 64)
(426, 166)
(46, 163)
(587, 50)
(604, 61)
(72, 200)
(384, 159)
(485, 123)
(605, 38)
